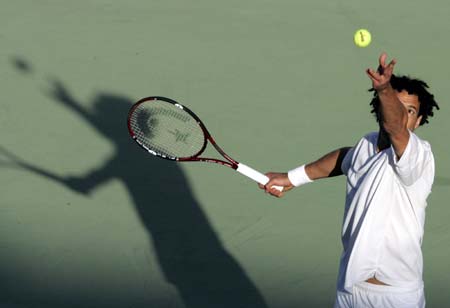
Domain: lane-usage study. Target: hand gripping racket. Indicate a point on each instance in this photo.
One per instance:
(171, 131)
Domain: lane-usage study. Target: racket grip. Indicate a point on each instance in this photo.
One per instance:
(255, 175)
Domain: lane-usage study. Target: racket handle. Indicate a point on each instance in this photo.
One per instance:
(255, 175)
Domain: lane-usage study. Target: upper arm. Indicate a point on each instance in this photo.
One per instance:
(346, 160)
(328, 165)
(400, 141)
(340, 158)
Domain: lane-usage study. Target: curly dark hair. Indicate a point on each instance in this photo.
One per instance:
(414, 87)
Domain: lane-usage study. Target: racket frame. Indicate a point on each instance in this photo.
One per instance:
(207, 137)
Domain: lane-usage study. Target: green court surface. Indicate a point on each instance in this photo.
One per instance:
(94, 221)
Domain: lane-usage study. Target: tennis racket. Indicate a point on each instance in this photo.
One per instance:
(172, 131)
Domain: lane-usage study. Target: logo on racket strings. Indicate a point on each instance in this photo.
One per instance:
(179, 136)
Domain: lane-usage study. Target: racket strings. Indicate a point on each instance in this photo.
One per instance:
(166, 130)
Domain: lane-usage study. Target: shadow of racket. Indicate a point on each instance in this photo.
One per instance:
(10, 160)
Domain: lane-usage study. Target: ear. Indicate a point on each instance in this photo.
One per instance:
(418, 122)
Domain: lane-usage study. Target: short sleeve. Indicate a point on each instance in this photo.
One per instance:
(415, 159)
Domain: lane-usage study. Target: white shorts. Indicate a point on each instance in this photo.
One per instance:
(368, 295)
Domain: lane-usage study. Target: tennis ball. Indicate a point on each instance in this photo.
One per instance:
(362, 38)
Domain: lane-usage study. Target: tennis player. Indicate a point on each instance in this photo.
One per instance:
(389, 177)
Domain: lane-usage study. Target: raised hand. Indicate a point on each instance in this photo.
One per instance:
(60, 93)
(382, 76)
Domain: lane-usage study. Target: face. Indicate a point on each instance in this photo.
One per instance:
(412, 104)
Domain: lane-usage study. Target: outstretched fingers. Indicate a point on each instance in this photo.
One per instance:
(374, 75)
(382, 59)
(382, 76)
(383, 68)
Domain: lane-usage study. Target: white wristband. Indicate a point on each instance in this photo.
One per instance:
(298, 176)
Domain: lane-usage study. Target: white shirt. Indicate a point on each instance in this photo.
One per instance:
(385, 213)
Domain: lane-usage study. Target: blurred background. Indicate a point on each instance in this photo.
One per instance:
(88, 219)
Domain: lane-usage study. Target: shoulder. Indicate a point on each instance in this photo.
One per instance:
(423, 142)
(416, 142)
(362, 147)
(368, 140)
(370, 137)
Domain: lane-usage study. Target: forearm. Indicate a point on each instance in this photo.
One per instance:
(328, 165)
(394, 117)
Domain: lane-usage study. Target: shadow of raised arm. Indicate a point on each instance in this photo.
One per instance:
(60, 93)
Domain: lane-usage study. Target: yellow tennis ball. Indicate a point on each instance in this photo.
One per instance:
(362, 38)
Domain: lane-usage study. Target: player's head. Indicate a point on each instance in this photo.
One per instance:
(409, 88)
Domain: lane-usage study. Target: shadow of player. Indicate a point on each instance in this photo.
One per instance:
(188, 250)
